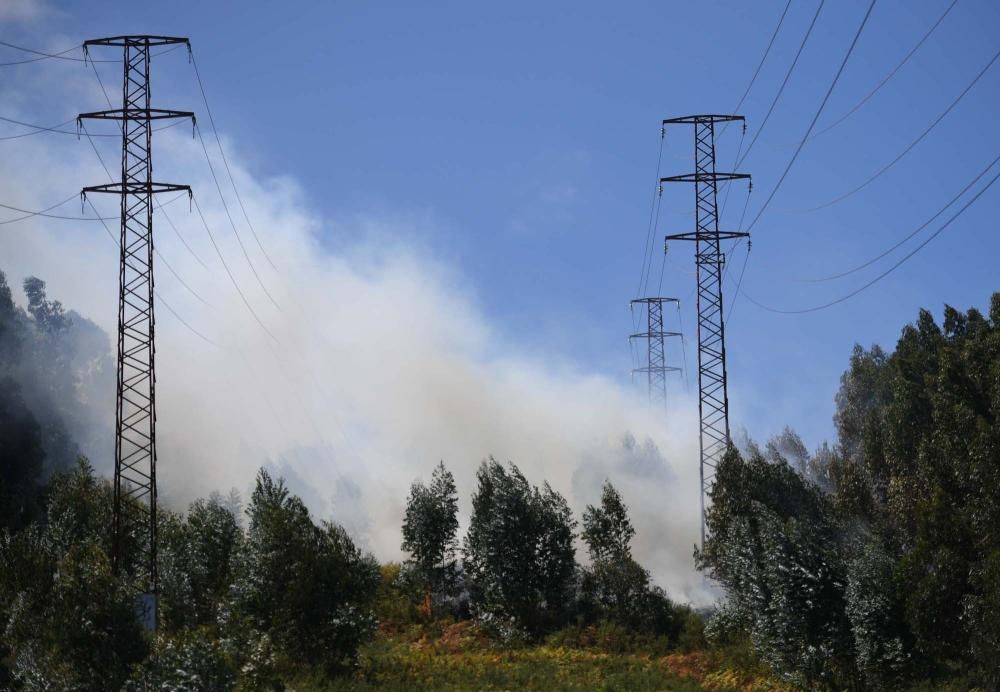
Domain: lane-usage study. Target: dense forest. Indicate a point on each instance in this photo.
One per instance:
(872, 563)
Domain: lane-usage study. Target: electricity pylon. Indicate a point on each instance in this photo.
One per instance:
(713, 395)
(135, 413)
(656, 362)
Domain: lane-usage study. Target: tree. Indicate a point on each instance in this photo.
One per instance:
(308, 587)
(69, 622)
(430, 527)
(875, 610)
(518, 553)
(21, 458)
(774, 545)
(615, 587)
(607, 530)
(920, 437)
(197, 561)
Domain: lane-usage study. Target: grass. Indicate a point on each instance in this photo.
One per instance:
(459, 657)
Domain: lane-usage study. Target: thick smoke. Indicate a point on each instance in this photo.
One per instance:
(375, 363)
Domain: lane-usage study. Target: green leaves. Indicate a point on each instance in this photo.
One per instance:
(607, 530)
(518, 552)
(773, 545)
(430, 527)
(307, 586)
(890, 572)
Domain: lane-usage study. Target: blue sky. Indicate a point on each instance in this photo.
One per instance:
(520, 139)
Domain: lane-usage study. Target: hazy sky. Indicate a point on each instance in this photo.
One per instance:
(522, 138)
(481, 176)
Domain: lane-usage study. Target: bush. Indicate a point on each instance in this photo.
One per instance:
(190, 660)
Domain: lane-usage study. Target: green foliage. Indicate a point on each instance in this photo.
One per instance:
(197, 559)
(69, 623)
(615, 587)
(308, 586)
(879, 555)
(875, 611)
(395, 664)
(62, 365)
(773, 545)
(928, 452)
(430, 527)
(607, 530)
(192, 660)
(519, 553)
(394, 602)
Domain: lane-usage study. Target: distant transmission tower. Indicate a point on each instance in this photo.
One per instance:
(135, 417)
(713, 396)
(656, 362)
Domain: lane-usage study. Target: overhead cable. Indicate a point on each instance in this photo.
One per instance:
(914, 232)
(225, 161)
(892, 73)
(912, 144)
(819, 111)
(887, 271)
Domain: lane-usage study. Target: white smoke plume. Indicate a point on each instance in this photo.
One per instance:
(381, 362)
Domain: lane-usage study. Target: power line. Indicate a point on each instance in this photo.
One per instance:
(225, 161)
(887, 271)
(184, 242)
(891, 74)
(60, 55)
(28, 213)
(38, 128)
(739, 284)
(917, 230)
(230, 273)
(159, 206)
(767, 50)
(653, 209)
(155, 292)
(784, 83)
(55, 128)
(725, 200)
(819, 111)
(753, 79)
(156, 250)
(232, 223)
(656, 226)
(912, 144)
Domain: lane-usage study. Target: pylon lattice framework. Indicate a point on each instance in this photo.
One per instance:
(135, 413)
(656, 361)
(713, 396)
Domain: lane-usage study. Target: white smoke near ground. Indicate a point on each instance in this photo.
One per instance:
(374, 361)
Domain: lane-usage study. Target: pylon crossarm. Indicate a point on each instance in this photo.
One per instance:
(139, 40)
(136, 114)
(653, 335)
(137, 188)
(704, 176)
(710, 118)
(707, 236)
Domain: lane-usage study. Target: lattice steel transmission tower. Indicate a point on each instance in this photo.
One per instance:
(656, 360)
(135, 413)
(713, 396)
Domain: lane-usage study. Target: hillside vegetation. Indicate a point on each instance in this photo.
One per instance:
(872, 563)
